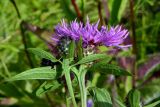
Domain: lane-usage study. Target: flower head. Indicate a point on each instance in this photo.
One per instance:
(75, 30)
(61, 30)
(114, 36)
(90, 33)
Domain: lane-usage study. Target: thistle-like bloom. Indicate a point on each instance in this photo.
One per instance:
(114, 36)
(72, 30)
(75, 30)
(90, 33)
(61, 30)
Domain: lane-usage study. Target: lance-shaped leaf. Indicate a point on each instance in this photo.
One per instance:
(119, 103)
(10, 90)
(47, 86)
(36, 73)
(42, 54)
(134, 98)
(101, 97)
(93, 57)
(147, 69)
(71, 49)
(79, 49)
(155, 104)
(105, 68)
(149, 90)
(65, 6)
(122, 9)
(115, 10)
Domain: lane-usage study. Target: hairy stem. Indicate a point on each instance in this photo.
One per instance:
(67, 102)
(83, 91)
(70, 88)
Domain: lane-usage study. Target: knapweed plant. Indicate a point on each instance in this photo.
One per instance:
(76, 54)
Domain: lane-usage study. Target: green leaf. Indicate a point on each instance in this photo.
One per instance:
(122, 9)
(10, 90)
(65, 6)
(9, 47)
(72, 49)
(134, 98)
(153, 100)
(118, 10)
(91, 58)
(105, 68)
(101, 97)
(119, 103)
(36, 73)
(82, 6)
(150, 89)
(154, 104)
(115, 9)
(42, 54)
(79, 49)
(66, 71)
(47, 86)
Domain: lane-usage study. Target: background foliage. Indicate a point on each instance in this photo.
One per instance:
(34, 27)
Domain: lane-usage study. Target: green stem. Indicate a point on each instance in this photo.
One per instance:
(70, 89)
(81, 80)
(67, 102)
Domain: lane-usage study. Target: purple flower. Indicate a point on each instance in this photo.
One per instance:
(72, 30)
(90, 34)
(114, 36)
(61, 30)
(89, 103)
(75, 30)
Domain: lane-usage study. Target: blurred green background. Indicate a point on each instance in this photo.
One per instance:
(35, 25)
